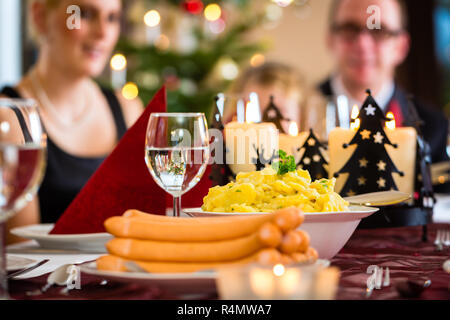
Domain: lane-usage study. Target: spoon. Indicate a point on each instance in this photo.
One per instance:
(379, 199)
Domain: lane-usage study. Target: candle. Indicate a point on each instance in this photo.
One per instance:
(118, 71)
(255, 282)
(404, 156)
(292, 141)
(242, 140)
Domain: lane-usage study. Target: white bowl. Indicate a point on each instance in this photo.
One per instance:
(329, 231)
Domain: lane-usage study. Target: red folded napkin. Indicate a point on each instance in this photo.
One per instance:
(123, 182)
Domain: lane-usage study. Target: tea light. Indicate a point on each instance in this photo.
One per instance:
(280, 282)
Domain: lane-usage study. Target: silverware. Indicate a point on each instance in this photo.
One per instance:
(446, 239)
(387, 278)
(438, 240)
(442, 239)
(20, 272)
(379, 199)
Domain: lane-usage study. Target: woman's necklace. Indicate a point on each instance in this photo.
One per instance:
(47, 105)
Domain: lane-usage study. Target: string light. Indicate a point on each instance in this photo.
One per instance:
(193, 6)
(283, 3)
(212, 12)
(163, 42)
(130, 91)
(257, 59)
(273, 12)
(118, 62)
(217, 26)
(229, 69)
(152, 18)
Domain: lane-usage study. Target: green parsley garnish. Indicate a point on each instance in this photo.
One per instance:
(238, 191)
(285, 164)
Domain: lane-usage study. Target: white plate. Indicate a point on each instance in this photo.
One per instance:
(329, 231)
(90, 242)
(14, 263)
(202, 282)
(355, 212)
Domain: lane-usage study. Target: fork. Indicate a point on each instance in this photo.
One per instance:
(438, 242)
(442, 239)
(446, 238)
(20, 272)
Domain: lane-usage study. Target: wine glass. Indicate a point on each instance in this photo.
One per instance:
(325, 113)
(177, 152)
(22, 164)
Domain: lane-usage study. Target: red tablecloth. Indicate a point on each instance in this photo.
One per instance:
(400, 249)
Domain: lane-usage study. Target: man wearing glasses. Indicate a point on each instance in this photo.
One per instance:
(367, 56)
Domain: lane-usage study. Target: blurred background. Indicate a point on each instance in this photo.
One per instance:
(197, 48)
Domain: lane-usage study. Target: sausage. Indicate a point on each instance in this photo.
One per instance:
(143, 226)
(269, 257)
(305, 241)
(291, 242)
(118, 264)
(270, 235)
(111, 263)
(213, 251)
(299, 257)
(312, 254)
(286, 259)
(289, 218)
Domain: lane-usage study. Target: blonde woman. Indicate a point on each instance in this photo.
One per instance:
(292, 96)
(83, 121)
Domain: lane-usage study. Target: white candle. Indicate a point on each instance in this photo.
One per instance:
(292, 141)
(404, 156)
(242, 139)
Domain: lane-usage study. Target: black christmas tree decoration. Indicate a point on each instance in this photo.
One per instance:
(260, 162)
(221, 173)
(370, 167)
(217, 121)
(273, 114)
(313, 159)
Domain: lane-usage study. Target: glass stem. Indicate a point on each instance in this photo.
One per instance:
(177, 206)
(3, 272)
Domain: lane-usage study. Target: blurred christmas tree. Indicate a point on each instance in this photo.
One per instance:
(196, 48)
